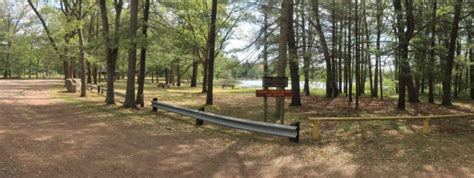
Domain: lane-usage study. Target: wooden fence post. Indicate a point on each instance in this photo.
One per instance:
(316, 129)
(426, 126)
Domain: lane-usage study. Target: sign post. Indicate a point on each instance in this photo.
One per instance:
(265, 104)
(267, 82)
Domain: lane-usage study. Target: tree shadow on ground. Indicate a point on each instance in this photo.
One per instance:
(82, 136)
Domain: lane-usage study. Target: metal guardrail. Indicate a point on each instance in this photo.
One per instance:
(290, 131)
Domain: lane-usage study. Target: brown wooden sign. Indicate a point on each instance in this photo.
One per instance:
(275, 81)
(273, 93)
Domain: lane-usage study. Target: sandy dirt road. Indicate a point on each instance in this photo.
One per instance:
(44, 136)
(41, 135)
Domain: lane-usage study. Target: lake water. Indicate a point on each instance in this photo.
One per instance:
(312, 85)
(258, 84)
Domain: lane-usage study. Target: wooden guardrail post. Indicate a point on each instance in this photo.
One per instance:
(426, 125)
(316, 130)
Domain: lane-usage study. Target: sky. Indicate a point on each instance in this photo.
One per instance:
(243, 35)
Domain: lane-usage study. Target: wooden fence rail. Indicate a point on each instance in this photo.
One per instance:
(316, 131)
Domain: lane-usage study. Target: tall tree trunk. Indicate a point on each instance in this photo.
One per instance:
(327, 55)
(450, 58)
(167, 78)
(194, 73)
(143, 50)
(293, 60)
(152, 75)
(211, 47)
(36, 71)
(357, 48)
(94, 73)
(74, 68)
(30, 68)
(81, 53)
(334, 91)
(282, 59)
(66, 68)
(349, 53)
(132, 56)
(110, 62)
(265, 56)
(205, 68)
(173, 74)
(118, 4)
(100, 74)
(340, 54)
(157, 74)
(405, 77)
(471, 59)
(373, 90)
(345, 54)
(431, 60)
(458, 71)
(378, 53)
(178, 75)
(306, 54)
(89, 72)
(451, 50)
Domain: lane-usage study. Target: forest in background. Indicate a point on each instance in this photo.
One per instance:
(354, 46)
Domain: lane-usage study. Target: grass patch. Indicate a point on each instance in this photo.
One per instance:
(372, 147)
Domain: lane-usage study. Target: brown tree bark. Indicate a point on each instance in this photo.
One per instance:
(327, 55)
(211, 47)
(94, 73)
(378, 53)
(373, 90)
(194, 74)
(357, 59)
(458, 71)
(293, 60)
(349, 53)
(89, 72)
(306, 54)
(143, 52)
(471, 59)
(205, 68)
(132, 56)
(431, 60)
(450, 59)
(178, 74)
(335, 90)
(404, 37)
(110, 62)
(282, 59)
(167, 78)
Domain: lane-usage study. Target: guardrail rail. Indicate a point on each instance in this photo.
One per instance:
(316, 130)
(290, 131)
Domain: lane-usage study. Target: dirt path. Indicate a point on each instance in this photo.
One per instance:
(43, 136)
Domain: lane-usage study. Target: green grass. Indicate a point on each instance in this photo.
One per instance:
(379, 146)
